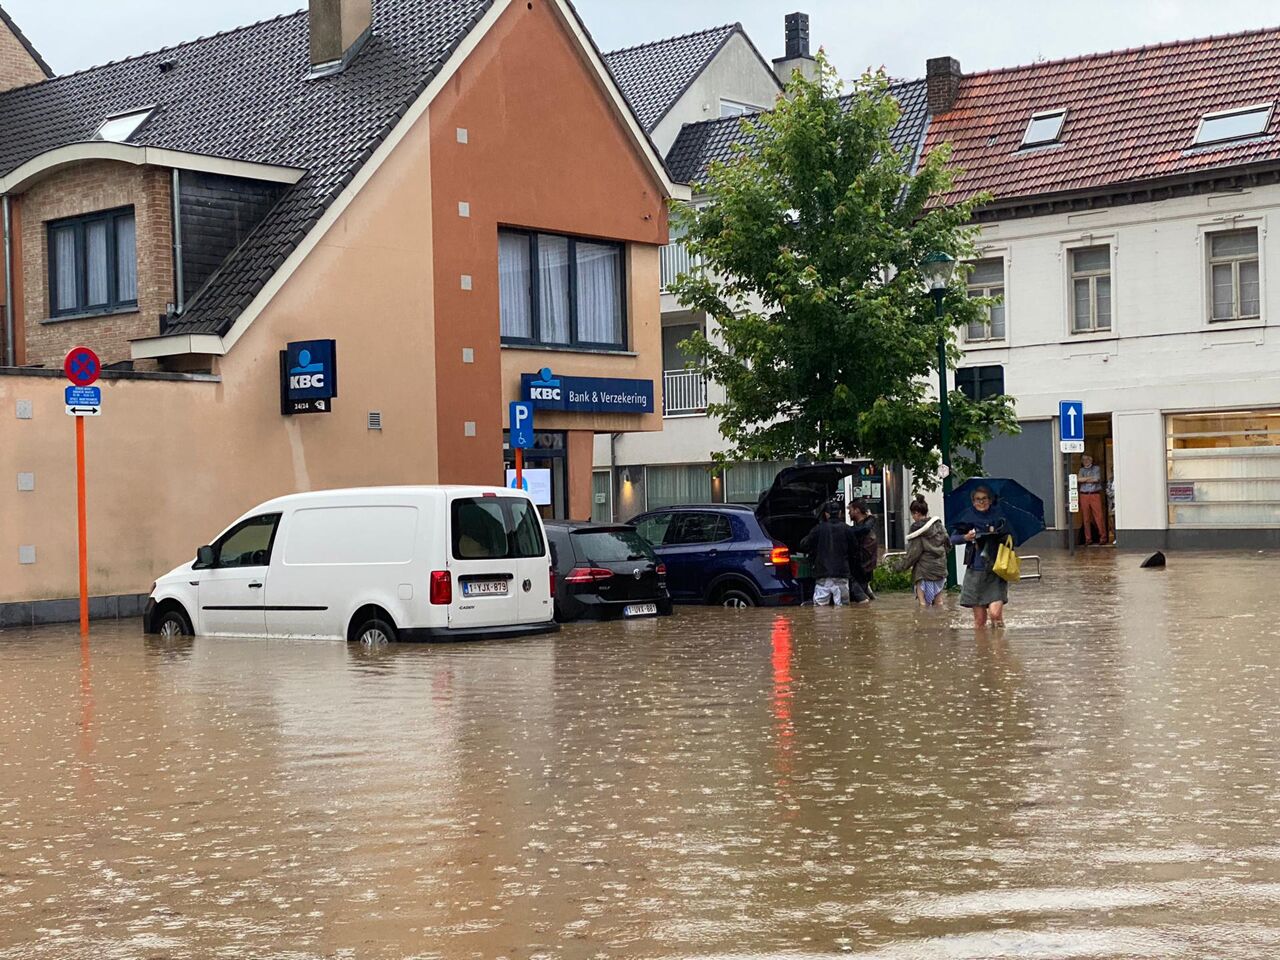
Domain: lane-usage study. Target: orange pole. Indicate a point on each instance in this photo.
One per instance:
(83, 525)
(519, 468)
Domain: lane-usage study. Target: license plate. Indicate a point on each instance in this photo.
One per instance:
(640, 610)
(484, 588)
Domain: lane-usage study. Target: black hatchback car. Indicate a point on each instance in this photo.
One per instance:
(605, 571)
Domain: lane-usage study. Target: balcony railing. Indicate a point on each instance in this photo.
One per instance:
(676, 260)
(684, 392)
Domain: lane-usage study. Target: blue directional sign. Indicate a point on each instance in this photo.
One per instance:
(84, 401)
(1071, 425)
(521, 425)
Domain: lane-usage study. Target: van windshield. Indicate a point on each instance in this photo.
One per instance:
(496, 528)
(611, 546)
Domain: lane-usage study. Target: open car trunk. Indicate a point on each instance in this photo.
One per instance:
(789, 509)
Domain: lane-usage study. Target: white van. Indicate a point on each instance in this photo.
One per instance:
(372, 565)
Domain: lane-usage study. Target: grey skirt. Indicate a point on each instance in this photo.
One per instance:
(983, 588)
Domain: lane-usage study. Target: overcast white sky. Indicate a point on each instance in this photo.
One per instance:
(900, 35)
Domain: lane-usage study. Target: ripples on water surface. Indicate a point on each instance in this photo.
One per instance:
(1099, 782)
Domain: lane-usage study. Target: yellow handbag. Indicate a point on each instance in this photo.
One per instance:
(1007, 566)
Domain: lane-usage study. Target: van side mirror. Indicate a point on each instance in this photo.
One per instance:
(204, 558)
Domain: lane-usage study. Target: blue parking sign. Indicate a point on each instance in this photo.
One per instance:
(521, 425)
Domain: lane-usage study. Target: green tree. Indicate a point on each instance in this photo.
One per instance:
(811, 243)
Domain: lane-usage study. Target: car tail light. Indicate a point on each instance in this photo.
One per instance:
(551, 572)
(588, 575)
(780, 556)
(660, 570)
(441, 588)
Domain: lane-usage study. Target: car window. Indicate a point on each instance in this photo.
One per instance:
(702, 528)
(655, 528)
(495, 528)
(248, 544)
(610, 546)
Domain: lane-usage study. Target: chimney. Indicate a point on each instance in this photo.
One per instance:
(339, 28)
(943, 77)
(798, 56)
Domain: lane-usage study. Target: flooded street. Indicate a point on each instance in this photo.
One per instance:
(1101, 780)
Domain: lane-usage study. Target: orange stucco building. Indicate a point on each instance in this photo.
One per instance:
(454, 193)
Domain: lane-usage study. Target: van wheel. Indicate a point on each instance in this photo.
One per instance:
(375, 633)
(736, 599)
(172, 625)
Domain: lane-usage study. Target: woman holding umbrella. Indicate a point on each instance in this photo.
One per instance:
(982, 528)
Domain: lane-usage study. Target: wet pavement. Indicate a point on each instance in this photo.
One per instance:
(1100, 780)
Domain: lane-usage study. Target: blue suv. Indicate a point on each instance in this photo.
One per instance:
(718, 553)
(743, 556)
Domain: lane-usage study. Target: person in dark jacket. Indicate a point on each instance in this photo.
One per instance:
(864, 554)
(828, 545)
(928, 544)
(983, 527)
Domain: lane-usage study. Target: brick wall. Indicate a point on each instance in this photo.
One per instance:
(17, 69)
(88, 188)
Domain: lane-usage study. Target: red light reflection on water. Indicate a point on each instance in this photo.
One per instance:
(783, 727)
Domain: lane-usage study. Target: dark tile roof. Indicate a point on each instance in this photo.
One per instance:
(1132, 116)
(701, 144)
(22, 39)
(653, 76)
(245, 95)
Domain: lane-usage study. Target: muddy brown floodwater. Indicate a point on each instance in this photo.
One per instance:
(1101, 780)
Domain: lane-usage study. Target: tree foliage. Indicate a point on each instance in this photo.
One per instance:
(811, 243)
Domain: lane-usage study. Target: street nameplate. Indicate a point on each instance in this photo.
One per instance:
(83, 401)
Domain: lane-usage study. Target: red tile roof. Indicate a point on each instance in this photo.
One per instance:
(1132, 116)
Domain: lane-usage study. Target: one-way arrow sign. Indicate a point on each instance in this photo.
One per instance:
(84, 401)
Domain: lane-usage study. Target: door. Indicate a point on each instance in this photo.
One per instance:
(232, 589)
(692, 551)
(499, 563)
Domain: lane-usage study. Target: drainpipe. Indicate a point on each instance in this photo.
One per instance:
(10, 348)
(178, 304)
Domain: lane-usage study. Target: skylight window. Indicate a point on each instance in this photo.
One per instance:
(1234, 124)
(1045, 127)
(120, 128)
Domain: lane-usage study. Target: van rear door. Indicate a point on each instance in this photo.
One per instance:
(485, 572)
(533, 559)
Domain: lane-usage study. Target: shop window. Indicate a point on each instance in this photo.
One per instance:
(745, 482)
(93, 264)
(981, 383)
(672, 486)
(1234, 289)
(561, 291)
(1224, 469)
(987, 280)
(1091, 289)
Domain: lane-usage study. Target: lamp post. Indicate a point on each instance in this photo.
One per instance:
(937, 268)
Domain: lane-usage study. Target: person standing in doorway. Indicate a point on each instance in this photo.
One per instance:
(864, 551)
(1093, 515)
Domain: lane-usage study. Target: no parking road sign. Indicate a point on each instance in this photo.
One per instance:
(82, 366)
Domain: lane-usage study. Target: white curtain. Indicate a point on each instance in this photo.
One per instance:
(669, 486)
(67, 283)
(599, 293)
(553, 281)
(95, 255)
(746, 481)
(126, 259)
(515, 305)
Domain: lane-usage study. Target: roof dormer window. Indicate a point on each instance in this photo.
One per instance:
(1234, 124)
(122, 126)
(1045, 127)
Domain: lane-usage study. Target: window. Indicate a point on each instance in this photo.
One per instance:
(731, 108)
(1224, 469)
(560, 291)
(1233, 275)
(696, 528)
(1234, 124)
(746, 482)
(981, 383)
(495, 528)
(654, 529)
(1091, 289)
(1045, 127)
(676, 485)
(120, 128)
(93, 264)
(247, 544)
(987, 280)
(610, 546)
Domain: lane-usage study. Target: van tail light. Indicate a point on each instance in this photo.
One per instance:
(588, 575)
(551, 572)
(780, 556)
(441, 588)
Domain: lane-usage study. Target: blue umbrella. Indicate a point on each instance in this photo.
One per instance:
(1024, 510)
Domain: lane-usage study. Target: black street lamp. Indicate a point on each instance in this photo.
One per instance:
(937, 269)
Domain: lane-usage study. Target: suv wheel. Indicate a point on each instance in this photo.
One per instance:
(736, 598)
